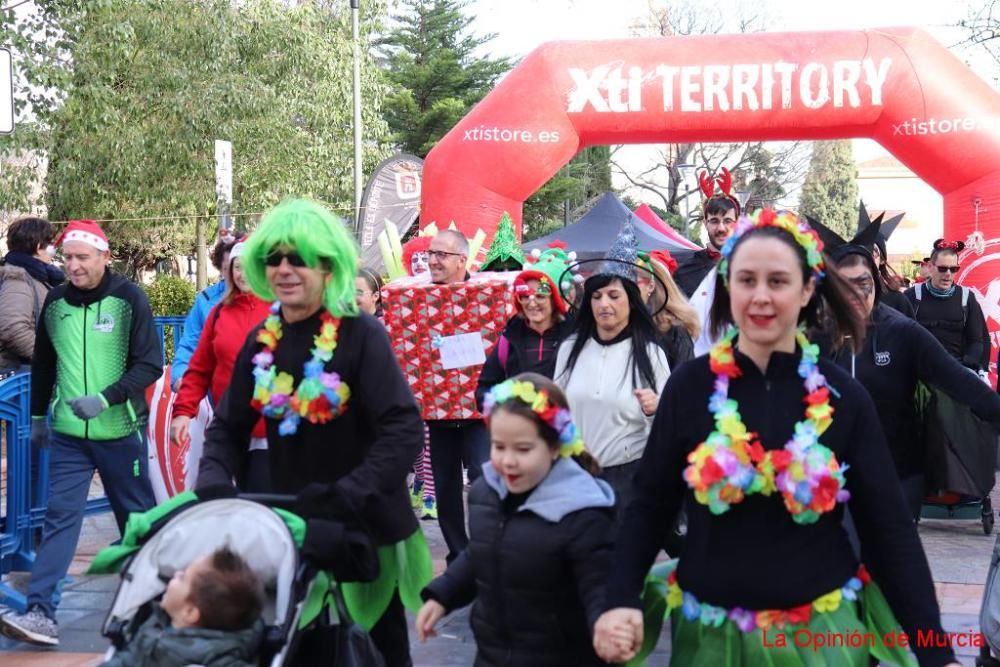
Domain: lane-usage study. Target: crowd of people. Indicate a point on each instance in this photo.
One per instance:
(760, 394)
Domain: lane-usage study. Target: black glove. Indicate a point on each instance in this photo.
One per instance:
(88, 407)
(349, 553)
(325, 501)
(39, 433)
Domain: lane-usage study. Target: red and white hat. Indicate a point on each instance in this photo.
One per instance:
(86, 231)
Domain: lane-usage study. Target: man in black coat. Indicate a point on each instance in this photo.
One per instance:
(720, 216)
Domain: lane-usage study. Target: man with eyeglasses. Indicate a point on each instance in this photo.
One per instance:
(949, 311)
(454, 442)
(721, 212)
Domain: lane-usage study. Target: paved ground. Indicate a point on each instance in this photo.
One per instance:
(959, 554)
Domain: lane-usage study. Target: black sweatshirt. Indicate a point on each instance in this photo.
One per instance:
(527, 351)
(755, 556)
(897, 353)
(366, 452)
(963, 335)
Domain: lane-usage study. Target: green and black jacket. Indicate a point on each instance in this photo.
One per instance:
(100, 341)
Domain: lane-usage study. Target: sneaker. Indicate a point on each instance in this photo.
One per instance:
(32, 626)
(429, 510)
(416, 497)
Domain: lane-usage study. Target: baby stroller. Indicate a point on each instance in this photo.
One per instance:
(960, 456)
(264, 538)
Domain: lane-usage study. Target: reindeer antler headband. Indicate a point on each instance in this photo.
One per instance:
(725, 183)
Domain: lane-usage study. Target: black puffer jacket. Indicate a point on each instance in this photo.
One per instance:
(536, 571)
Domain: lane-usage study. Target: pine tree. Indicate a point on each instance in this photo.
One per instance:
(830, 192)
(431, 64)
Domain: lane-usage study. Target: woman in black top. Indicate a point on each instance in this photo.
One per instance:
(767, 562)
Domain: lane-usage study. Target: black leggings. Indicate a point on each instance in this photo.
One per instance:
(391, 636)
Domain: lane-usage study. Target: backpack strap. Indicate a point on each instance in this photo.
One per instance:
(503, 351)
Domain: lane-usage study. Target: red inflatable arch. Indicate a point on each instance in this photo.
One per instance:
(895, 85)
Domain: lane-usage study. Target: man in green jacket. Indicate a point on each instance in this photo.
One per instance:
(96, 351)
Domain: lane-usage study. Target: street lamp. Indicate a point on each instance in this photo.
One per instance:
(686, 168)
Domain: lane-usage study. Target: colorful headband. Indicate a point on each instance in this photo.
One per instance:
(941, 244)
(800, 230)
(570, 443)
(725, 183)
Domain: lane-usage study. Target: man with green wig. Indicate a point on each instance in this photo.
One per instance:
(342, 424)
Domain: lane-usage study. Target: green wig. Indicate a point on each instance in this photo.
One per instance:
(319, 237)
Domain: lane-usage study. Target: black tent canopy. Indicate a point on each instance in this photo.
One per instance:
(592, 235)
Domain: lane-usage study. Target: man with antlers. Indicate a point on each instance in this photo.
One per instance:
(720, 213)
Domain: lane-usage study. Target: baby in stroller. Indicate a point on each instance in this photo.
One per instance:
(210, 615)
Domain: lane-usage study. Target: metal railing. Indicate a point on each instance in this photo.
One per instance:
(26, 498)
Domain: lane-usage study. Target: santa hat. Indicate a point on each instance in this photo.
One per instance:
(85, 231)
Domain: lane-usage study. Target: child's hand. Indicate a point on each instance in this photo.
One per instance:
(428, 616)
(648, 400)
(618, 635)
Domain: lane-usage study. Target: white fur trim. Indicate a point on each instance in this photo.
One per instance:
(536, 253)
(88, 238)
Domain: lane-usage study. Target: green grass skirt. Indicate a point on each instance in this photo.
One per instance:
(850, 635)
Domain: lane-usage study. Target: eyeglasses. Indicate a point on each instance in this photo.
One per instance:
(276, 256)
(525, 294)
(946, 269)
(442, 254)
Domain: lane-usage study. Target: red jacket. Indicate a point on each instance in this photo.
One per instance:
(211, 366)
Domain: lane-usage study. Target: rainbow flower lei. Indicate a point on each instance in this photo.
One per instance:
(800, 230)
(320, 396)
(570, 442)
(748, 620)
(731, 463)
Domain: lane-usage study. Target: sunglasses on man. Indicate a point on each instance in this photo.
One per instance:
(275, 257)
(946, 269)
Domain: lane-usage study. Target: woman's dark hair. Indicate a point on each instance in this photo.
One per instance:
(26, 235)
(219, 250)
(831, 308)
(888, 276)
(549, 434)
(640, 326)
(375, 285)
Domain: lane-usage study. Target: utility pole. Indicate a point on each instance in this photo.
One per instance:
(355, 31)
(224, 199)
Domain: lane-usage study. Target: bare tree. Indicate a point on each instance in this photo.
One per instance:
(982, 28)
(763, 173)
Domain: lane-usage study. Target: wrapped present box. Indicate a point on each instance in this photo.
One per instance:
(419, 315)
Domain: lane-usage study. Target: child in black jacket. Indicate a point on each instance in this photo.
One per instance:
(540, 535)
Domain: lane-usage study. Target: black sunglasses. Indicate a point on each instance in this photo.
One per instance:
(946, 269)
(294, 259)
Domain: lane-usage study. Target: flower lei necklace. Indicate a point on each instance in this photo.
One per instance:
(320, 396)
(731, 463)
(570, 442)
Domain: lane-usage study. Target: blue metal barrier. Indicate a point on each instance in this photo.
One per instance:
(26, 501)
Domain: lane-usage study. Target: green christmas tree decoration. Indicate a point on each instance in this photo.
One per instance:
(505, 251)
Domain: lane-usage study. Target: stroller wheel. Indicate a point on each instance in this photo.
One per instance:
(988, 518)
